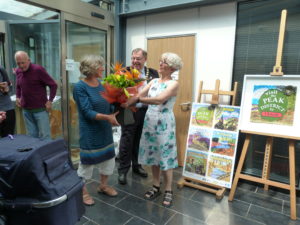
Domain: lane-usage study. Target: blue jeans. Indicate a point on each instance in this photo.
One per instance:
(37, 124)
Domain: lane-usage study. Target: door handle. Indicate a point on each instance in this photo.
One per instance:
(186, 106)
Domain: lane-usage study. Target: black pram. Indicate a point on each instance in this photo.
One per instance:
(38, 185)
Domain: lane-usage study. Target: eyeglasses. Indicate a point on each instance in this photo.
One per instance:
(136, 58)
(163, 62)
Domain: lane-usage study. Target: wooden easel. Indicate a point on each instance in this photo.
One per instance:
(202, 185)
(277, 71)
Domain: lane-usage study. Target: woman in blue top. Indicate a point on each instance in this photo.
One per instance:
(95, 127)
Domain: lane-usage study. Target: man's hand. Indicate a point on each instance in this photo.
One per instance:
(18, 102)
(48, 106)
(2, 116)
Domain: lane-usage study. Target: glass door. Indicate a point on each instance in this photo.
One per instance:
(81, 39)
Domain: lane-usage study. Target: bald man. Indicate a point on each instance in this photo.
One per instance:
(32, 80)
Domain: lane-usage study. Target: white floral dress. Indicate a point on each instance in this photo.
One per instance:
(158, 141)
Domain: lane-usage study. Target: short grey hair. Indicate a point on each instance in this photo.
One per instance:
(173, 60)
(140, 50)
(90, 64)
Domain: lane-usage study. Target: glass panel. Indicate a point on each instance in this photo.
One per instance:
(81, 40)
(255, 53)
(42, 43)
(15, 10)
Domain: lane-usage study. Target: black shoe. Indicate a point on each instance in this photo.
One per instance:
(122, 178)
(140, 171)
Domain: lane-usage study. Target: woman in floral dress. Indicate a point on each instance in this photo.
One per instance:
(158, 141)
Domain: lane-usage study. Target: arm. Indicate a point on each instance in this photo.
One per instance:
(48, 81)
(163, 97)
(134, 99)
(82, 100)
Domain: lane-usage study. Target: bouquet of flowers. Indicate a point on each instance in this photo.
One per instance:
(119, 86)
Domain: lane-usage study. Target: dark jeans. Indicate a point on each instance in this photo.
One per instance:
(8, 125)
(130, 142)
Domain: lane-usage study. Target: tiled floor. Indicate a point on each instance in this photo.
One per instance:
(252, 205)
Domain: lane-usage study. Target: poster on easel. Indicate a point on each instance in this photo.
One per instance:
(270, 105)
(211, 144)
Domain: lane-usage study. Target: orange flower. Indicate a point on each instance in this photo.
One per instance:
(129, 75)
(118, 67)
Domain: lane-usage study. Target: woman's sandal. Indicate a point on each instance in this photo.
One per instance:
(152, 193)
(168, 198)
(88, 200)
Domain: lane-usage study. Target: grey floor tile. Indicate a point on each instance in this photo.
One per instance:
(82, 221)
(134, 188)
(243, 195)
(137, 221)
(286, 209)
(179, 219)
(251, 205)
(207, 198)
(259, 200)
(146, 210)
(236, 207)
(269, 217)
(249, 186)
(188, 207)
(90, 223)
(104, 214)
(222, 218)
(276, 193)
(185, 191)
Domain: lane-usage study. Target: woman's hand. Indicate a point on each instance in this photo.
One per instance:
(111, 118)
(131, 101)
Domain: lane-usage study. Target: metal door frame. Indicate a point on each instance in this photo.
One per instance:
(64, 78)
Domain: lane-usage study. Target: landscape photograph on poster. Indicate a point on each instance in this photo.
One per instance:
(226, 118)
(195, 162)
(202, 115)
(199, 138)
(219, 168)
(223, 143)
(273, 104)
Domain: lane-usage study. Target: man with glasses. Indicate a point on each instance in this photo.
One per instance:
(131, 134)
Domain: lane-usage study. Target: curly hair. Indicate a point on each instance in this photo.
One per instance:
(90, 64)
(173, 60)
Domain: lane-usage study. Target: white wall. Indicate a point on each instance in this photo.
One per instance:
(214, 27)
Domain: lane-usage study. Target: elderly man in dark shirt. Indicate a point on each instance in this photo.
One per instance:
(31, 92)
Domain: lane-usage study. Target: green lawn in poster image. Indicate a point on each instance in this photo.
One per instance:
(273, 104)
(196, 162)
(202, 116)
